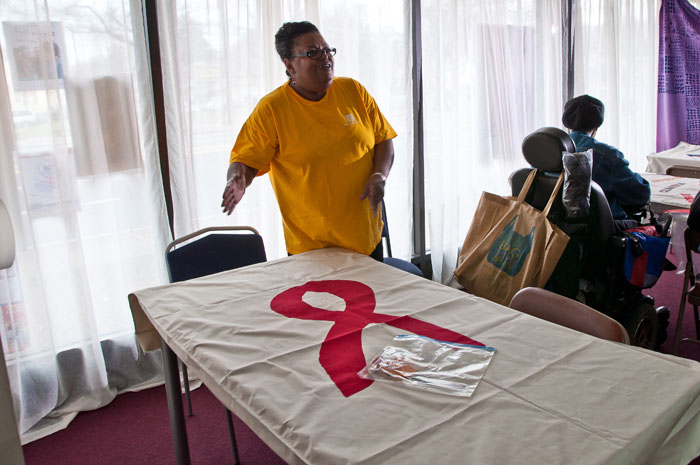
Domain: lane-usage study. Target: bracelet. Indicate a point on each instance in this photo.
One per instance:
(381, 175)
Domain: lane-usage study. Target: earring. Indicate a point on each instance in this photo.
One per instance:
(294, 81)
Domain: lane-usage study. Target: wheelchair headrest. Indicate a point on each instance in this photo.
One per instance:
(542, 149)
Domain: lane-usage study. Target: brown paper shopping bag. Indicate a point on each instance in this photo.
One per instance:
(510, 245)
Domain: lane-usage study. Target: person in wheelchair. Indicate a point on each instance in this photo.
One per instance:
(593, 268)
(626, 191)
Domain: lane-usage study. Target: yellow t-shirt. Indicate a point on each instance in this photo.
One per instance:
(319, 156)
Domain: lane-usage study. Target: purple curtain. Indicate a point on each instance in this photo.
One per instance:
(678, 111)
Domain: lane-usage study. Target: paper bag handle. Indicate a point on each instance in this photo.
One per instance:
(528, 183)
(526, 187)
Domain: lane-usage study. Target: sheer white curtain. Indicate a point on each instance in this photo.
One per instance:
(79, 174)
(219, 59)
(616, 56)
(492, 74)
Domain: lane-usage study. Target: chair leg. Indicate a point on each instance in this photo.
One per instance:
(186, 383)
(681, 312)
(679, 328)
(232, 435)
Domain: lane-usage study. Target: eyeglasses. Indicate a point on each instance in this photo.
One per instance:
(316, 53)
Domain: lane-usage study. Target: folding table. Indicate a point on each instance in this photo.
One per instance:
(671, 192)
(278, 344)
(683, 155)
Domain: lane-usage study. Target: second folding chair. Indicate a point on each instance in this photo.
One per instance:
(207, 251)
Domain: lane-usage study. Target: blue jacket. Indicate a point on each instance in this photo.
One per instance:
(622, 186)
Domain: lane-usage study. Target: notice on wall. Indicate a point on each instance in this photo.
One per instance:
(36, 53)
(49, 182)
(14, 328)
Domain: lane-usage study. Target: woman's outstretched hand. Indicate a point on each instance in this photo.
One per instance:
(238, 178)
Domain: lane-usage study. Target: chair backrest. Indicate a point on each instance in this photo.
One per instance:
(212, 250)
(683, 171)
(692, 245)
(568, 312)
(385, 231)
(543, 151)
(388, 258)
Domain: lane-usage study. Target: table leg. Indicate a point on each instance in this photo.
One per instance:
(175, 410)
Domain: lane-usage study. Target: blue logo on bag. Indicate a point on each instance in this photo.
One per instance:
(509, 251)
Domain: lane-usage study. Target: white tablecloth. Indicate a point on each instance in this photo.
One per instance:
(550, 396)
(672, 192)
(683, 154)
(677, 248)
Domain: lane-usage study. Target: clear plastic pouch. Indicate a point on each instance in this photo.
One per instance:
(424, 363)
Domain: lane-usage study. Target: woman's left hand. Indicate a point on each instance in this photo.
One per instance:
(374, 190)
(374, 187)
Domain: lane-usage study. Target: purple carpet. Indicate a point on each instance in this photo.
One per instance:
(667, 292)
(134, 429)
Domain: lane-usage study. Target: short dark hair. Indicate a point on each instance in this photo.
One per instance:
(287, 34)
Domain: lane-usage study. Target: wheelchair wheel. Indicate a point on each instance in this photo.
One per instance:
(642, 325)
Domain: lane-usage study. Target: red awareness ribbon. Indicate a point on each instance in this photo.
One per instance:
(341, 352)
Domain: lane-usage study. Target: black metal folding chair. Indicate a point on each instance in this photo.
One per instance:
(207, 251)
(691, 290)
(388, 258)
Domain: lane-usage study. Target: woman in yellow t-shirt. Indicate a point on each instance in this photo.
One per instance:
(325, 145)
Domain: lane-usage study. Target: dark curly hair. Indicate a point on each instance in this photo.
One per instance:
(287, 34)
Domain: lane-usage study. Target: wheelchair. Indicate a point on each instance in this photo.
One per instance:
(591, 269)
